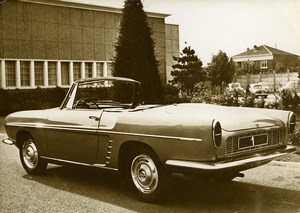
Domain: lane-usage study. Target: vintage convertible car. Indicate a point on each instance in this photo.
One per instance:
(103, 123)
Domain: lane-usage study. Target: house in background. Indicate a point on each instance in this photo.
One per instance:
(265, 57)
(266, 60)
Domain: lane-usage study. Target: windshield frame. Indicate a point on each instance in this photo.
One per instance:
(137, 96)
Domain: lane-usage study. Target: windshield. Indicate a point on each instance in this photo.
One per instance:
(257, 87)
(102, 94)
(235, 85)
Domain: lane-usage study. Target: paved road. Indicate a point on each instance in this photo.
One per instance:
(271, 188)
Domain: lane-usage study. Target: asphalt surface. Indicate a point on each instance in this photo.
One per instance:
(274, 187)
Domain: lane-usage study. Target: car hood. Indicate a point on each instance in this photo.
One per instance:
(231, 118)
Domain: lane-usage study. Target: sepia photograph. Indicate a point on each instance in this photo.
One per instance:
(150, 106)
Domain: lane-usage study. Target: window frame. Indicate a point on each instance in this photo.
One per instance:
(33, 73)
(264, 64)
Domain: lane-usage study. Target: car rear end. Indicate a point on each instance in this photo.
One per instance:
(239, 146)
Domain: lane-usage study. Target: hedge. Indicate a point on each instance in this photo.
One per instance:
(30, 99)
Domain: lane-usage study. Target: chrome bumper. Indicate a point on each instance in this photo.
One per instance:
(8, 141)
(238, 165)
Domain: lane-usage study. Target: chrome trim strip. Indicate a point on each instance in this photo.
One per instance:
(36, 125)
(73, 128)
(220, 166)
(253, 141)
(102, 166)
(229, 149)
(251, 150)
(152, 136)
(290, 116)
(99, 131)
(58, 127)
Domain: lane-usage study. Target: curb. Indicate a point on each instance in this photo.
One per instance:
(285, 164)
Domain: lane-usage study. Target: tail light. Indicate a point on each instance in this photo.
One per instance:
(292, 123)
(217, 133)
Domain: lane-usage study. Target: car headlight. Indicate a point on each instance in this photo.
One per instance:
(217, 133)
(292, 123)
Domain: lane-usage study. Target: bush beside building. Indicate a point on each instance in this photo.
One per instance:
(30, 99)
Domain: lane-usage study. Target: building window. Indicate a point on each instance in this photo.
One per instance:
(10, 70)
(21, 73)
(25, 73)
(76, 70)
(109, 69)
(52, 73)
(65, 78)
(88, 70)
(99, 69)
(38, 73)
(264, 64)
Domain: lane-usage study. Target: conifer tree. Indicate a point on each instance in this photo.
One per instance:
(188, 71)
(135, 56)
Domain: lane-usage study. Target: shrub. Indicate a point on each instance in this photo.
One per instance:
(203, 95)
(259, 102)
(249, 101)
(275, 104)
(289, 98)
(295, 138)
(30, 99)
(235, 98)
(171, 95)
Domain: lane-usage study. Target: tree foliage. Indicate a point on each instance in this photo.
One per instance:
(281, 67)
(248, 67)
(221, 70)
(135, 56)
(188, 71)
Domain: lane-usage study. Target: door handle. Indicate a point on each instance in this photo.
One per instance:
(94, 117)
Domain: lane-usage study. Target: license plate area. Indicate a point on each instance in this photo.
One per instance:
(252, 141)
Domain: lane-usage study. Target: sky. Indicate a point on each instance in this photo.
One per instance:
(231, 26)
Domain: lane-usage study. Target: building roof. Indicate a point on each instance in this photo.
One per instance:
(83, 4)
(262, 50)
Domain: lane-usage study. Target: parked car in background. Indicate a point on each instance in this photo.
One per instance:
(257, 90)
(103, 123)
(265, 86)
(236, 87)
(291, 85)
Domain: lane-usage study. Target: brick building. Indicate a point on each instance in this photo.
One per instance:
(48, 43)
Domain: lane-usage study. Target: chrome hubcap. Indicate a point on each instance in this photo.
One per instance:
(144, 174)
(30, 154)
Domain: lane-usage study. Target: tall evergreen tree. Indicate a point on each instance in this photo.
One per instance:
(135, 56)
(188, 71)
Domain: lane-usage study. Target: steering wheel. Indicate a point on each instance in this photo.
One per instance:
(86, 103)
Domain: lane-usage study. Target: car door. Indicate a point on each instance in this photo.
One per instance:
(72, 135)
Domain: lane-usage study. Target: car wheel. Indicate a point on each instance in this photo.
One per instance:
(30, 158)
(148, 177)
